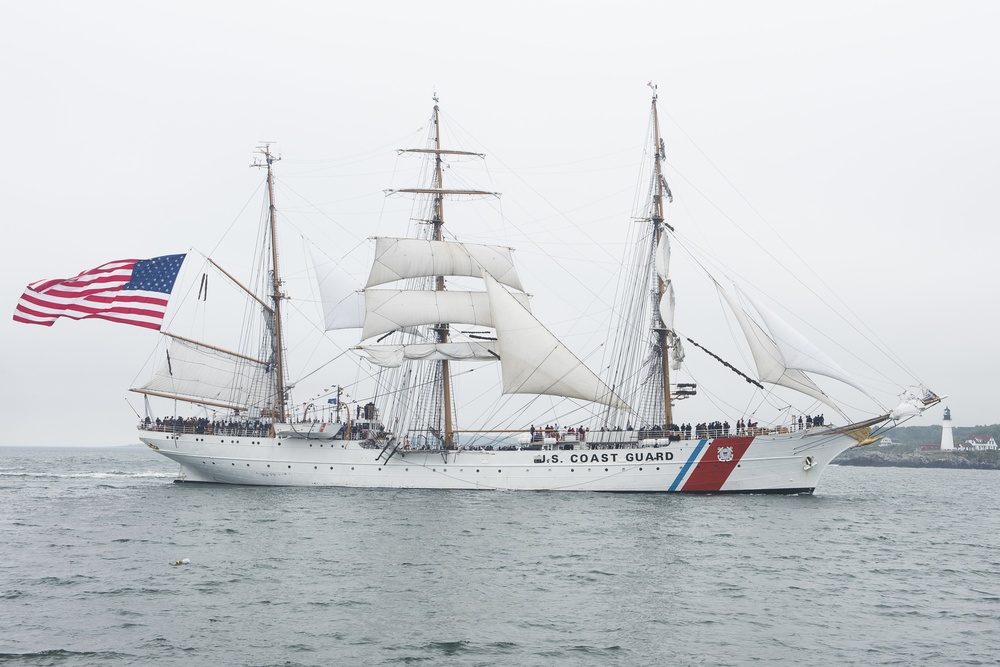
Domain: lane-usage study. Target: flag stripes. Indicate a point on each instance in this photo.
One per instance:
(127, 291)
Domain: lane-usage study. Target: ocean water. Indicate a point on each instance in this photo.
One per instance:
(883, 566)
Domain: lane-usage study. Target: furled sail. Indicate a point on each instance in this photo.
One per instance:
(678, 355)
(533, 361)
(667, 305)
(662, 257)
(661, 260)
(771, 368)
(343, 301)
(392, 356)
(202, 372)
(402, 258)
(389, 310)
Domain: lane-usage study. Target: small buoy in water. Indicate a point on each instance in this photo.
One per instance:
(183, 561)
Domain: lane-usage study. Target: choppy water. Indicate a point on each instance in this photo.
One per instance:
(883, 566)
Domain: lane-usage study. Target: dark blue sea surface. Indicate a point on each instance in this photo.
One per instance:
(883, 566)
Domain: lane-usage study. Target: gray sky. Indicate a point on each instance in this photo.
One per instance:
(860, 139)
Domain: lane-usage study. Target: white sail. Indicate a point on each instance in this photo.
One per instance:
(533, 361)
(202, 372)
(799, 353)
(667, 306)
(389, 310)
(770, 365)
(343, 301)
(402, 258)
(662, 257)
(392, 356)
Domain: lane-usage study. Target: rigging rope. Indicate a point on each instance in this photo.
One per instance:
(726, 363)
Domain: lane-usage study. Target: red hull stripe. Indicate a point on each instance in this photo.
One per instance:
(712, 470)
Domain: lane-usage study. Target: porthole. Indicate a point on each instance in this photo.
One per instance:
(331, 467)
(248, 465)
(477, 469)
(406, 470)
(499, 470)
(314, 468)
(290, 467)
(605, 470)
(572, 469)
(640, 469)
(268, 465)
(213, 462)
(232, 464)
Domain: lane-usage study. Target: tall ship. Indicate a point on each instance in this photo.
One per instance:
(432, 306)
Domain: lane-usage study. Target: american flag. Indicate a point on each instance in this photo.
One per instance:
(130, 291)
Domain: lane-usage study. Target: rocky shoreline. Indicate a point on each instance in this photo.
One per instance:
(933, 459)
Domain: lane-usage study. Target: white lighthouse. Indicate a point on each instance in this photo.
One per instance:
(947, 439)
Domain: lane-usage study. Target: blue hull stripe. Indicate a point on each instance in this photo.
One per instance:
(688, 464)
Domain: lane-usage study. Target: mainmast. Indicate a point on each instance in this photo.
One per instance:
(657, 220)
(442, 331)
(438, 193)
(278, 409)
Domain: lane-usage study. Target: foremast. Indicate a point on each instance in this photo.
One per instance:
(660, 327)
(645, 348)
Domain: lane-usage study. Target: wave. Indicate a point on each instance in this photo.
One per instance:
(58, 656)
(112, 474)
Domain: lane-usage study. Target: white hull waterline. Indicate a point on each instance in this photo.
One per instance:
(769, 463)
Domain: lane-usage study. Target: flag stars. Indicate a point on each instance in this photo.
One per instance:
(155, 275)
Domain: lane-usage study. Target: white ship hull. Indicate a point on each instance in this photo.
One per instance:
(778, 463)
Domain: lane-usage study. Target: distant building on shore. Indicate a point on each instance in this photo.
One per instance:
(947, 439)
(979, 443)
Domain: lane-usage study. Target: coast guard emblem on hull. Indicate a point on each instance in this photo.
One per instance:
(725, 454)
